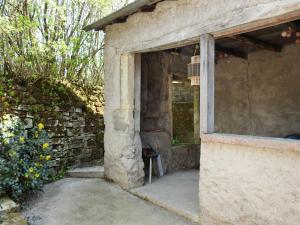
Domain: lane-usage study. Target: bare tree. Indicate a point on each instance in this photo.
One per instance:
(44, 38)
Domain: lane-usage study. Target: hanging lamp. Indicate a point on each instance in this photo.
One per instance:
(194, 70)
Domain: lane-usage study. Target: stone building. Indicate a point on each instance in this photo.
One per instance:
(249, 100)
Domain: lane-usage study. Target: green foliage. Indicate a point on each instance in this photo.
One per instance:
(175, 141)
(43, 38)
(25, 158)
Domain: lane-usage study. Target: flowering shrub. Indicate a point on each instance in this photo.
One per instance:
(24, 157)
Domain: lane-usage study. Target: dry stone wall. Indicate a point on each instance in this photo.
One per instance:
(75, 128)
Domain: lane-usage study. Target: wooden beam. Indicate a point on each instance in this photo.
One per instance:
(256, 43)
(234, 52)
(207, 78)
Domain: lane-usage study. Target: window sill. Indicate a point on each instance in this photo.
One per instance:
(252, 141)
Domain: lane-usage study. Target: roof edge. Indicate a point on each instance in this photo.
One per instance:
(119, 15)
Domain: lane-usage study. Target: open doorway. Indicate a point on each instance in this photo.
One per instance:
(167, 127)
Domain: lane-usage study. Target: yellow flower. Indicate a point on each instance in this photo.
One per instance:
(30, 170)
(48, 157)
(22, 139)
(36, 134)
(37, 175)
(40, 126)
(45, 145)
(42, 157)
(10, 135)
(26, 175)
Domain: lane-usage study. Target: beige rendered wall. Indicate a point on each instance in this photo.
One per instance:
(259, 96)
(248, 185)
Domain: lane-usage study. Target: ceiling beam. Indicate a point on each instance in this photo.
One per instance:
(256, 43)
(233, 52)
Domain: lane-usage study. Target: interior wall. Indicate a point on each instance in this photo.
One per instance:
(183, 112)
(259, 96)
(156, 101)
(155, 107)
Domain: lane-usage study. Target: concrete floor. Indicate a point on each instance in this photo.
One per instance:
(178, 192)
(77, 201)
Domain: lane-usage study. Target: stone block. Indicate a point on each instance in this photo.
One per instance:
(66, 118)
(70, 132)
(90, 143)
(78, 124)
(23, 107)
(28, 123)
(7, 205)
(69, 124)
(87, 172)
(15, 218)
(29, 115)
(78, 110)
(56, 109)
(90, 129)
(56, 141)
(77, 151)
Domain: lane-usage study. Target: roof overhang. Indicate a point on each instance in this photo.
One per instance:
(122, 14)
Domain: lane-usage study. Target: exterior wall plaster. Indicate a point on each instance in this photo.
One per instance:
(249, 185)
(174, 23)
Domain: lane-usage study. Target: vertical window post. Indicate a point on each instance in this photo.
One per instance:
(207, 79)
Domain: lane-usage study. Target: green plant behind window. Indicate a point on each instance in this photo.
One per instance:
(25, 158)
(175, 141)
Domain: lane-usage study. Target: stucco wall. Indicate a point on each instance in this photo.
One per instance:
(248, 185)
(259, 96)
